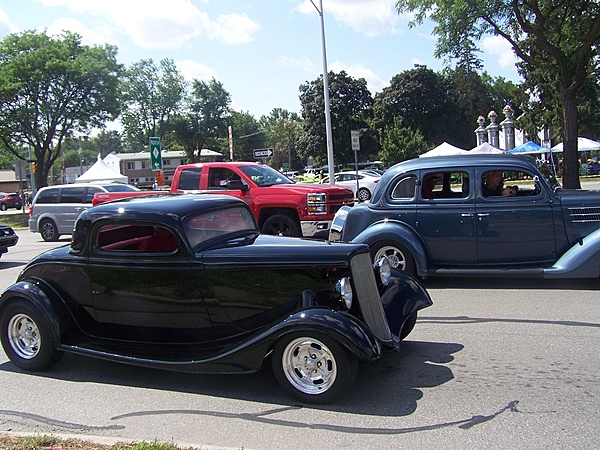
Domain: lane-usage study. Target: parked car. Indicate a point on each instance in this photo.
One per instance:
(55, 208)
(8, 238)
(186, 282)
(363, 190)
(10, 201)
(460, 228)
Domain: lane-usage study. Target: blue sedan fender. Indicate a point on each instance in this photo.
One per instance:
(393, 230)
(403, 297)
(580, 261)
(42, 297)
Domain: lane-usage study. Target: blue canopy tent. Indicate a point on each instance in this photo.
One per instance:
(530, 148)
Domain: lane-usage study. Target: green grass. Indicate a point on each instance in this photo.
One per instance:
(15, 220)
(45, 442)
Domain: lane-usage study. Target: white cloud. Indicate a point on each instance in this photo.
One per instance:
(369, 17)
(374, 83)
(305, 64)
(88, 36)
(498, 46)
(192, 70)
(157, 24)
(6, 26)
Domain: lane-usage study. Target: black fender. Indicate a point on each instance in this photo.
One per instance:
(403, 297)
(348, 330)
(393, 230)
(42, 297)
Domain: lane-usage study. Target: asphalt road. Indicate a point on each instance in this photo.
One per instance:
(495, 363)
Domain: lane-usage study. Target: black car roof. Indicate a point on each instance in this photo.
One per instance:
(174, 206)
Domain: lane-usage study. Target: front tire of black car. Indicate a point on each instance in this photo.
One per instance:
(313, 367)
(49, 231)
(281, 225)
(26, 336)
(399, 255)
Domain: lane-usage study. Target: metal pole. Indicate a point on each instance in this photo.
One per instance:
(326, 95)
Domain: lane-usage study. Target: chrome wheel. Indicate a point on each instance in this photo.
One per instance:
(396, 257)
(309, 365)
(363, 195)
(24, 336)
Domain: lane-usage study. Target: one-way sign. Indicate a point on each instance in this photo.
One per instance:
(263, 152)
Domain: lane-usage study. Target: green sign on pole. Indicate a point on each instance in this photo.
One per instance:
(155, 154)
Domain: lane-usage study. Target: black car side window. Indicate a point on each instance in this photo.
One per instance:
(405, 188)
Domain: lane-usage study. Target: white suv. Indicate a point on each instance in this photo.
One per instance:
(55, 208)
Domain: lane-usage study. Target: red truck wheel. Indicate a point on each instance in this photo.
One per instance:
(281, 225)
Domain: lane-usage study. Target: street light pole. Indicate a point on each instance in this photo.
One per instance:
(326, 95)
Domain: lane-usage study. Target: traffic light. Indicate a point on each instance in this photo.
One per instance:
(33, 167)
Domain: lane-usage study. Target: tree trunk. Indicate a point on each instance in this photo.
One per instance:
(570, 150)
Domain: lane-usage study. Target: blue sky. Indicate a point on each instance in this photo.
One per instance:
(261, 50)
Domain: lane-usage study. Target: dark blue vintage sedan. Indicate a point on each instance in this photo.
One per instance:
(187, 283)
(477, 215)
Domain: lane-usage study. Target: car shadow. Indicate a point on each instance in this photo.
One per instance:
(389, 387)
(510, 283)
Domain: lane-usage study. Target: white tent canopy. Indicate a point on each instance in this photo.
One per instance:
(485, 148)
(444, 149)
(101, 172)
(583, 145)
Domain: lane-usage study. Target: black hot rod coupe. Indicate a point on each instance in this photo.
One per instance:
(187, 283)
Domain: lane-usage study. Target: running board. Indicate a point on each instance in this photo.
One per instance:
(536, 272)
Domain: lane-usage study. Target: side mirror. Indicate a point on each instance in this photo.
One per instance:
(237, 185)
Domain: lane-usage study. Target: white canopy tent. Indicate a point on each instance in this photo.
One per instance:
(485, 148)
(444, 149)
(101, 172)
(583, 145)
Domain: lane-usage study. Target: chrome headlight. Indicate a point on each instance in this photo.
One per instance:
(383, 267)
(345, 290)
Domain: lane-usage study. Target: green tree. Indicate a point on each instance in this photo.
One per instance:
(351, 106)
(247, 136)
(50, 89)
(153, 95)
(557, 41)
(419, 99)
(283, 130)
(204, 124)
(401, 143)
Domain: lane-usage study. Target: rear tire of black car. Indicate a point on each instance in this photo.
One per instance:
(399, 255)
(281, 225)
(408, 326)
(313, 367)
(27, 338)
(49, 231)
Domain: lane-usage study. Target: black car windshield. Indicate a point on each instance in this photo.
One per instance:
(264, 175)
(214, 224)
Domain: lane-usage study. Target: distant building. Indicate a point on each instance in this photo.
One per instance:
(136, 166)
(8, 181)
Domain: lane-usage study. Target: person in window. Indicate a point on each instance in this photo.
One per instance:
(493, 186)
(428, 186)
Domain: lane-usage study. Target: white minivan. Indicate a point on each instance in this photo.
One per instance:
(55, 208)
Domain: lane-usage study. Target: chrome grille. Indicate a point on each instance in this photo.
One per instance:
(368, 296)
(584, 214)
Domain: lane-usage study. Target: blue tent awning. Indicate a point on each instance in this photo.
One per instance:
(530, 147)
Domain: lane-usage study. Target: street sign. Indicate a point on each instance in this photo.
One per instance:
(355, 140)
(263, 152)
(155, 154)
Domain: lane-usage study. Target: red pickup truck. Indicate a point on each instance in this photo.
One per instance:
(280, 206)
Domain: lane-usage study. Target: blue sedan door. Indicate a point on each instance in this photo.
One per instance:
(446, 217)
(514, 230)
